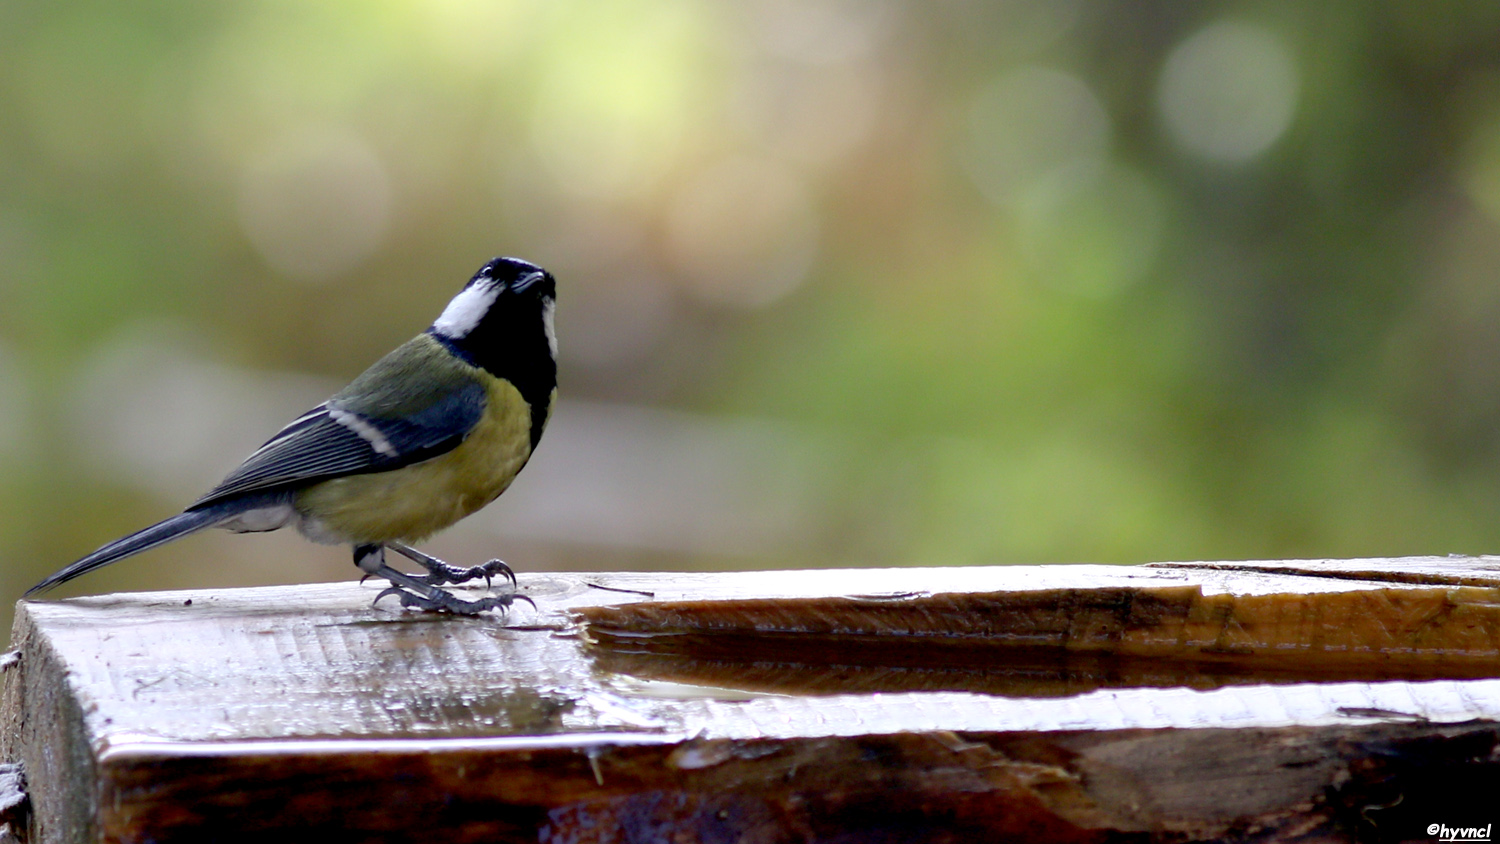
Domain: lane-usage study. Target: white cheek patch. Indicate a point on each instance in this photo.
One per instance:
(466, 309)
(549, 309)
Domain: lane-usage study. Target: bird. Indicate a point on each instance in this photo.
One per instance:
(429, 434)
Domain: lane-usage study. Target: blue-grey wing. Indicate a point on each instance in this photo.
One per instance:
(332, 440)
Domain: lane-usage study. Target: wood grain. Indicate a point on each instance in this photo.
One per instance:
(1075, 703)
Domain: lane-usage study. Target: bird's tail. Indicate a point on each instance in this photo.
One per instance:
(142, 540)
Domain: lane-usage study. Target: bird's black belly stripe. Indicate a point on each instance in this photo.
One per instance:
(527, 365)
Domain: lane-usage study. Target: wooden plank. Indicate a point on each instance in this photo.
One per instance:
(1452, 570)
(1068, 701)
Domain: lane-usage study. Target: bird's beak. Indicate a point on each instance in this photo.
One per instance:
(520, 286)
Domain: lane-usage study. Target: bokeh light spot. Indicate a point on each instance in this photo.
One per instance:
(1229, 91)
(315, 204)
(1029, 123)
(612, 102)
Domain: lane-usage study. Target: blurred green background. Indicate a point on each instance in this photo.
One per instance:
(841, 283)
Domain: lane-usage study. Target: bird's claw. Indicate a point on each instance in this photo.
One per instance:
(440, 573)
(442, 601)
(426, 593)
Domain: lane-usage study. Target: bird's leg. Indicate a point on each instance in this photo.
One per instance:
(439, 572)
(417, 592)
(370, 559)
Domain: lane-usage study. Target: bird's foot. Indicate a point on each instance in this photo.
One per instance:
(441, 600)
(440, 573)
(445, 573)
(423, 595)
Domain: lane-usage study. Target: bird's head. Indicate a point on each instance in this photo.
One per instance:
(503, 318)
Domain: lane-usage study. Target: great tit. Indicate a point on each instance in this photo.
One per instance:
(432, 432)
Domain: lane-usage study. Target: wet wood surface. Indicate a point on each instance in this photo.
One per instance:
(1317, 701)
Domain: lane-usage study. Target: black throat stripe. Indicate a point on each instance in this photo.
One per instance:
(526, 362)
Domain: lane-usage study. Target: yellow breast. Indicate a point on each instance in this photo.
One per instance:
(413, 502)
